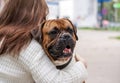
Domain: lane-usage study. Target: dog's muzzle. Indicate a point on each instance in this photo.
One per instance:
(62, 49)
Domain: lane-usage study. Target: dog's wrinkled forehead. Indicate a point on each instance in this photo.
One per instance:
(60, 24)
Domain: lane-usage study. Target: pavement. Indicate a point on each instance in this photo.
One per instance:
(102, 53)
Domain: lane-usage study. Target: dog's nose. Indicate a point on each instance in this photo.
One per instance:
(65, 37)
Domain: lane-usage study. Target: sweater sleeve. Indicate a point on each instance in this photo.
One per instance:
(43, 70)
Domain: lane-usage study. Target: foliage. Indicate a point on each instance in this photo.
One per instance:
(111, 11)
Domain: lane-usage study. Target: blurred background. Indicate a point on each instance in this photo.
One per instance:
(87, 13)
(98, 24)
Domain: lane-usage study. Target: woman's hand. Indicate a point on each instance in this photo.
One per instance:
(79, 58)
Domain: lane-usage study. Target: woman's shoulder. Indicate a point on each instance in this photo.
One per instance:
(34, 46)
(32, 54)
(32, 49)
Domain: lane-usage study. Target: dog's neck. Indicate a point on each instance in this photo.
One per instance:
(63, 66)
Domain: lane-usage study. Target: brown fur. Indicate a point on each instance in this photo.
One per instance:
(61, 24)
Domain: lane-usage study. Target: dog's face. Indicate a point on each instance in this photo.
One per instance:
(58, 39)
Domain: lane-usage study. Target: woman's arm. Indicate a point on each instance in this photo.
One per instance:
(43, 71)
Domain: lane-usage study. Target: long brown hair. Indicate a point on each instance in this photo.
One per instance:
(17, 19)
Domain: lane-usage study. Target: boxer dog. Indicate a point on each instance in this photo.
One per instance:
(58, 38)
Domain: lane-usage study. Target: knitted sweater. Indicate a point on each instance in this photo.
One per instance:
(33, 65)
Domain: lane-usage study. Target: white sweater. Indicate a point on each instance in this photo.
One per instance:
(33, 65)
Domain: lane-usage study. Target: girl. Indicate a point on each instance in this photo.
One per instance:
(22, 59)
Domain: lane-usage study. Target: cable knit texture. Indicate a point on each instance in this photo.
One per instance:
(33, 65)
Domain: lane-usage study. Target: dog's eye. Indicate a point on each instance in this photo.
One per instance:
(70, 30)
(53, 33)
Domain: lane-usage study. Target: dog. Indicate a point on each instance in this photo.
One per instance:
(58, 38)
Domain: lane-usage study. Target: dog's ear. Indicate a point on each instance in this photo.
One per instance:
(37, 33)
(74, 28)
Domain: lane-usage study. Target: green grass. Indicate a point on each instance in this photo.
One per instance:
(104, 29)
(118, 37)
(114, 28)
